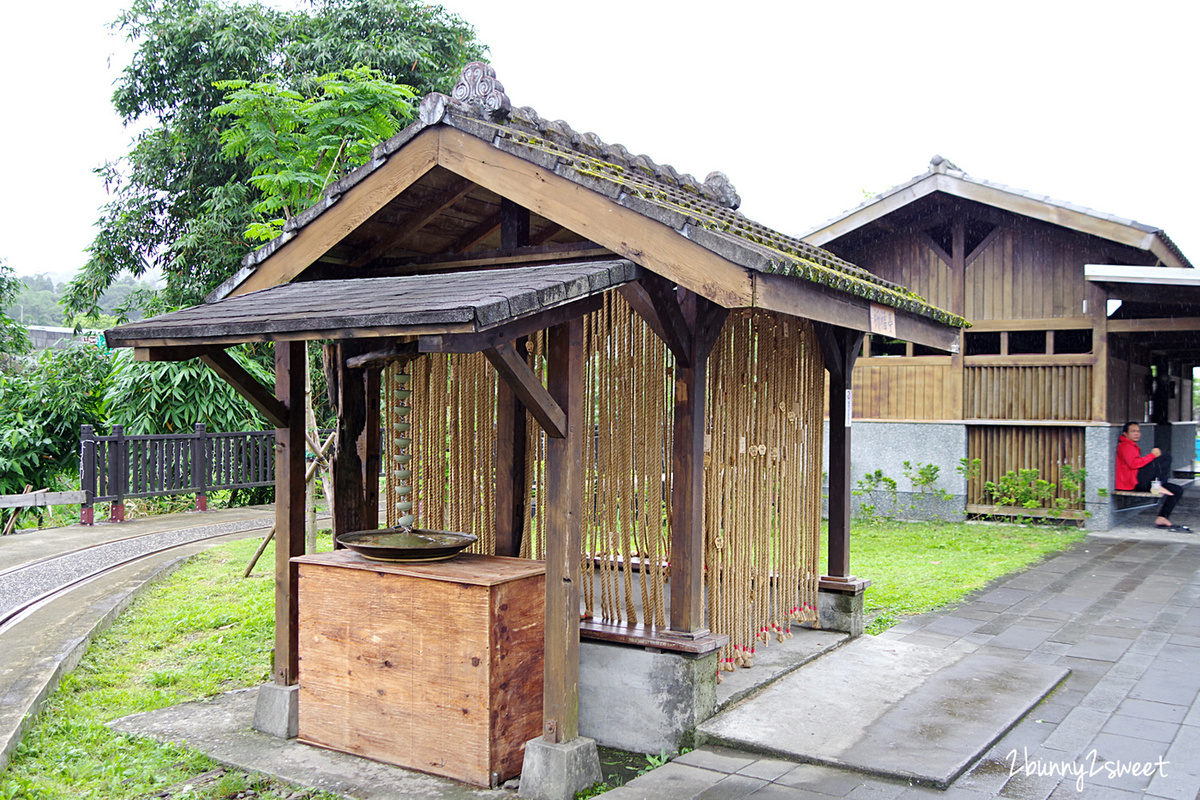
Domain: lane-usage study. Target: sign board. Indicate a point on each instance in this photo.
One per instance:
(883, 320)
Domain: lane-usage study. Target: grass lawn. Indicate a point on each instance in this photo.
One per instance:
(918, 566)
(205, 630)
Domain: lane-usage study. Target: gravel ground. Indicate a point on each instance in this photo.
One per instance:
(22, 585)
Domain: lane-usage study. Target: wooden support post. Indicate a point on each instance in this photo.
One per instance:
(289, 506)
(350, 511)
(564, 516)
(510, 414)
(703, 320)
(1098, 310)
(840, 347)
(510, 466)
(87, 474)
(369, 445)
(200, 466)
(118, 473)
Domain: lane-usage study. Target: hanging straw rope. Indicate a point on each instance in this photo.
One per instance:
(762, 482)
(451, 471)
(762, 468)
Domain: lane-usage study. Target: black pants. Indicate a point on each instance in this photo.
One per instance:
(1160, 468)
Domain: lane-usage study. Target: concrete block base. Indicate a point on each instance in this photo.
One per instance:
(644, 701)
(840, 611)
(558, 771)
(277, 711)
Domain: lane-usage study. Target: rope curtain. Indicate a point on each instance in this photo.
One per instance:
(453, 433)
(762, 466)
(628, 385)
(762, 480)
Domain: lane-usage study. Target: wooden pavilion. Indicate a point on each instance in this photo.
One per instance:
(610, 296)
(1080, 320)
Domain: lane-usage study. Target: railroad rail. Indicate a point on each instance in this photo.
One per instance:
(26, 587)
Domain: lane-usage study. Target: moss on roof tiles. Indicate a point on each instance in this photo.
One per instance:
(664, 186)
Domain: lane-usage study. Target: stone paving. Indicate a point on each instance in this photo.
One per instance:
(1121, 610)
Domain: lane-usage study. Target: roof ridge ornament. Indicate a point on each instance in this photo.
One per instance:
(723, 191)
(942, 165)
(477, 87)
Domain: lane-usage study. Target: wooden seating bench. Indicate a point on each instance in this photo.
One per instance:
(1142, 500)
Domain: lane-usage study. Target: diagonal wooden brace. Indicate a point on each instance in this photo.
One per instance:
(525, 385)
(247, 386)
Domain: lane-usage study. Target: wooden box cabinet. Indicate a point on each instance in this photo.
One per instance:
(435, 667)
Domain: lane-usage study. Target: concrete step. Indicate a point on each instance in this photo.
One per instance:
(887, 708)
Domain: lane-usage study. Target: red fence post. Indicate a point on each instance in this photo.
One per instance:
(200, 466)
(119, 472)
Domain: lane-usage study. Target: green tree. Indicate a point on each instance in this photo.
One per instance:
(14, 339)
(171, 397)
(178, 202)
(297, 144)
(42, 406)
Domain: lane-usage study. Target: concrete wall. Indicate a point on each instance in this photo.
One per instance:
(1100, 454)
(643, 701)
(887, 445)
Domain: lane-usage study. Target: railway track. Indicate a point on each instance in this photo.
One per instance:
(28, 586)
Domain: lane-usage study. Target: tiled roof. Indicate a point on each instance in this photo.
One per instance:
(942, 166)
(704, 212)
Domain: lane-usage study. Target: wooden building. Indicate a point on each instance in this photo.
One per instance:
(500, 263)
(1079, 321)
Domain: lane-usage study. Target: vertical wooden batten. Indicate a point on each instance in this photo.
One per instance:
(564, 515)
(289, 506)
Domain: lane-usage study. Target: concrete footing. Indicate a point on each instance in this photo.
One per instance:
(841, 611)
(557, 771)
(644, 701)
(277, 711)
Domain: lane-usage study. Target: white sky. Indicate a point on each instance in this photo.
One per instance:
(803, 105)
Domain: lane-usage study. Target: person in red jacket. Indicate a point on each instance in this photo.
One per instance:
(1135, 472)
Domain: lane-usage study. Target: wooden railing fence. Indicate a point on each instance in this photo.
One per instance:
(116, 467)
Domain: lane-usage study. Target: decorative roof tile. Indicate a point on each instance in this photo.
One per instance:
(706, 211)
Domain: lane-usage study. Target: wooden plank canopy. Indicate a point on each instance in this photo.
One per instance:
(444, 303)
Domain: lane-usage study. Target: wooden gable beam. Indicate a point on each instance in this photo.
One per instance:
(516, 372)
(597, 218)
(777, 293)
(403, 168)
(447, 198)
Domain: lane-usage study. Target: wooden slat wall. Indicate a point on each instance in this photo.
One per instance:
(904, 389)
(908, 261)
(1028, 272)
(1009, 447)
(1127, 396)
(1034, 393)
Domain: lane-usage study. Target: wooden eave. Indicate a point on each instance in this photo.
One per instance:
(1152, 241)
(730, 272)
(445, 312)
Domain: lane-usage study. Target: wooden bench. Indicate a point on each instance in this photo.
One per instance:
(1142, 500)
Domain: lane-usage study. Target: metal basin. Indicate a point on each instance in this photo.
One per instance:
(396, 544)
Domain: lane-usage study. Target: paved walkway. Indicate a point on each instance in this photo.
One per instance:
(1121, 610)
